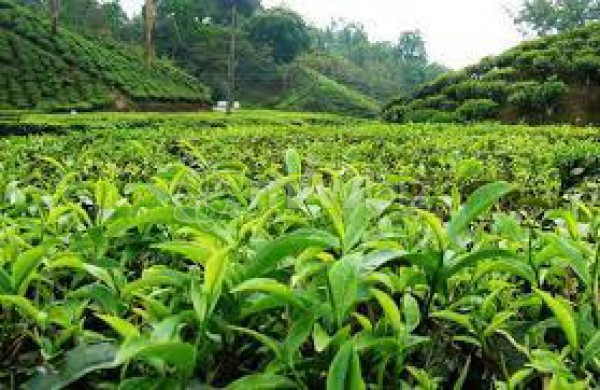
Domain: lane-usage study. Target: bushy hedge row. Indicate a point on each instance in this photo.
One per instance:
(473, 101)
(531, 80)
(68, 71)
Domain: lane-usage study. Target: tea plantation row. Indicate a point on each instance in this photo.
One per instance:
(297, 251)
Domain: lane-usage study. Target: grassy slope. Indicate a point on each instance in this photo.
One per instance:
(315, 92)
(376, 83)
(38, 70)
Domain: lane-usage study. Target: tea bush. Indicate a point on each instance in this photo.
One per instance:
(474, 110)
(537, 99)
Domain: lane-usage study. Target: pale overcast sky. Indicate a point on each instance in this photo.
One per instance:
(458, 32)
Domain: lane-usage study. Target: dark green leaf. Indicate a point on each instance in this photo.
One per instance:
(272, 253)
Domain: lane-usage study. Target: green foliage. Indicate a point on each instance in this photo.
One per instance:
(504, 74)
(532, 98)
(588, 68)
(382, 70)
(93, 17)
(445, 117)
(282, 31)
(395, 113)
(475, 89)
(550, 16)
(424, 115)
(196, 251)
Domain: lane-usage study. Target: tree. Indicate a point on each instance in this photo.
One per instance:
(149, 25)
(114, 19)
(543, 17)
(93, 17)
(220, 10)
(282, 30)
(411, 47)
(55, 12)
(383, 70)
(412, 60)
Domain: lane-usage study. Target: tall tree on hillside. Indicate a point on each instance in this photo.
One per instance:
(411, 47)
(149, 24)
(412, 59)
(220, 10)
(281, 30)
(543, 17)
(55, 12)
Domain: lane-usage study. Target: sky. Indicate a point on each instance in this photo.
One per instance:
(458, 32)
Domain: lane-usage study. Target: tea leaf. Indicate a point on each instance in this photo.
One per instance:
(479, 202)
(564, 316)
(344, 372)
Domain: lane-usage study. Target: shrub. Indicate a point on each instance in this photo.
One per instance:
(587, 68)
(397, 101)
(477, 110)
(501, 74)
(425, 115)
(477, 89)
(439, 84)
(534, 96)
(445, 117)
(436, 102)
(395, 114)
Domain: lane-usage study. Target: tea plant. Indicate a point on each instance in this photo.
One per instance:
(216, 273)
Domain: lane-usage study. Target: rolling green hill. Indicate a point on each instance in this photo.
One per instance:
(69, 71)
(313, 91)
(303, 88)
(553, 79)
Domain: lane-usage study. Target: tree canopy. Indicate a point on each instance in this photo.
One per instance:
(282, 30)
(543, 17)
(385, 69)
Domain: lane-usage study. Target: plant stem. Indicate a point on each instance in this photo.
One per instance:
(596, 288)
(530, 255)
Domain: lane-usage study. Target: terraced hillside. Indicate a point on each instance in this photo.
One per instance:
(69, 71)
(553, 79)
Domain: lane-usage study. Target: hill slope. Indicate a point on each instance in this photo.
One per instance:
(553, 79)
(39, 70)
(313, 91)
